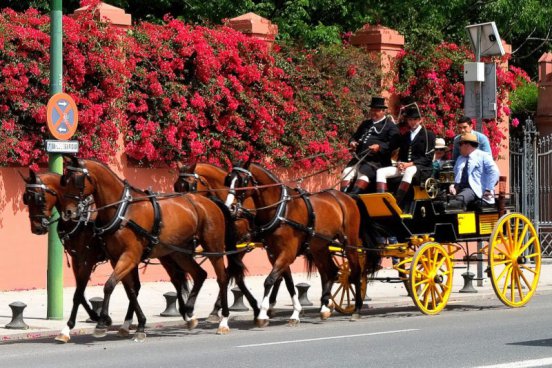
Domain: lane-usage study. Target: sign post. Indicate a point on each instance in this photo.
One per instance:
(55, 164)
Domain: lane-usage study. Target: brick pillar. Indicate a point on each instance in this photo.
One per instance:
(503, 160)
(544, 106)
(110, 14)
(384, 44)
(255, 26)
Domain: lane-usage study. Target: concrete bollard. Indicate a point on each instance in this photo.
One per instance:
(302, 289)
(238, 305)
(96, 303)
(17, 322)
(170, 310)
(468, 287)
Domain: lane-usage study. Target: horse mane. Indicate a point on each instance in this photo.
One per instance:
(106, 167)
(267, 172)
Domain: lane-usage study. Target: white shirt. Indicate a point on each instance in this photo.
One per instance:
(415, 132)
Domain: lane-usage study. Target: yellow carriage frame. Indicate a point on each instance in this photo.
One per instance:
(512, 251)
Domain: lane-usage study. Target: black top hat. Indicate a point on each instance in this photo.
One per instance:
(412, 112)
(378, 103)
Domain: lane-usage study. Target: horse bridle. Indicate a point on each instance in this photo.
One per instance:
(35, 197)
(192, 187)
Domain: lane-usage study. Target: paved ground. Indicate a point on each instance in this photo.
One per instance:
(151, 297)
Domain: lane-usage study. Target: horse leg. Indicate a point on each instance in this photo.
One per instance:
(328, 273)
(294, 320)
(355, 279)
(222, 280)
(273, 295)
(124, 330)
(270, 281)
(122, 268)
(178, 278)
(198, 275)
(82, 274)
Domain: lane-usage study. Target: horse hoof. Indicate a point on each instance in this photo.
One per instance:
(325, 315)
(213, 318)
(270, 313)
(123, 332)
(100, 332)
(355, 317)
(262, 323)
(62, 338)
(192, 324)
(139, 337)
(223, 330)
(293, 322)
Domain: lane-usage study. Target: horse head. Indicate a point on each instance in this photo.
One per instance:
(187, 180)
(77, 185)
(40, 196)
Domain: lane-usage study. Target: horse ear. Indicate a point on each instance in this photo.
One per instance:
(193, 166)
(248, 162)
(26, 180)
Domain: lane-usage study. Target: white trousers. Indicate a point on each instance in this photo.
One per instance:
(350, 172)
(394, 172)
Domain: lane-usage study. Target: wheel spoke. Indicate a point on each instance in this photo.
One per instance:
(337, 291)
(522, 236)
(527, 283)
(526, 245)
(505, 286)
(504, 270)
(519, 287)
(533, 271)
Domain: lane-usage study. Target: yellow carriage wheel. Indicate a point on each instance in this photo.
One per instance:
(514, 259)
(430, 280)
(343, 292)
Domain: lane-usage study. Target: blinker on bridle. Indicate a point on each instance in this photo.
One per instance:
(38, 198)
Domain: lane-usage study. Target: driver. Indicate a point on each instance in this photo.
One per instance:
(373, 142)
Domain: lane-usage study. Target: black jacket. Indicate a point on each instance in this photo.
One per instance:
(420, 151)
(385, 134)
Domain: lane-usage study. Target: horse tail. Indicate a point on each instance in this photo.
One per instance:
(236, 268)
(369, 232)
(309, 263)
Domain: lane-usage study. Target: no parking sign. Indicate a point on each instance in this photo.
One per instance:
(62, 116)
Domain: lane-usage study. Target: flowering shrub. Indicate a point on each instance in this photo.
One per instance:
(204, 92)
(332, 88)
(176, 92)
(435, 80)
(94, 74)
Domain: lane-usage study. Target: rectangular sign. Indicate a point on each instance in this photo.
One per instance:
(57, 146)
(481, 95)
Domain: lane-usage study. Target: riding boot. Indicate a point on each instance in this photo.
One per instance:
(360, 187)
(344, 185)
(381, 187)
(401, 193)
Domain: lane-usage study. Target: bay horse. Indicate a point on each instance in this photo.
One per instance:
(137, 225)
(293, 222)
(210, 180)
(42, 194)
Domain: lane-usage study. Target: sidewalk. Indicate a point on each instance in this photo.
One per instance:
(151, 299)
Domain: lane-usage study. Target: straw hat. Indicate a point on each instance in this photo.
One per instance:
(469, 137)
(440, 144)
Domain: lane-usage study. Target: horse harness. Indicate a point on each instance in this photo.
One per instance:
(280, 216)
(119, 219)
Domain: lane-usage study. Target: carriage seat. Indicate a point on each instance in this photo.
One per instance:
(383, 210)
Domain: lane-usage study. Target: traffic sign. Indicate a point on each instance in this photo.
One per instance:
(57, 146)
(62, 116)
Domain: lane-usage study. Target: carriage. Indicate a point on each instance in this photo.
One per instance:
(430, 240)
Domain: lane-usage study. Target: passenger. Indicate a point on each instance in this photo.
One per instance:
(439, 156)
(465, 125)
(475, 174)
(373, 142)
(416, 148)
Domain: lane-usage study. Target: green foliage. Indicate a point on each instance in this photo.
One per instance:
(524, 98)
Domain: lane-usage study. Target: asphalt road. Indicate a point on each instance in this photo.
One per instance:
(483, 333)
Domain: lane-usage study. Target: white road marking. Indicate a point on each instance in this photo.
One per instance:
(522, 364)
(327, 338)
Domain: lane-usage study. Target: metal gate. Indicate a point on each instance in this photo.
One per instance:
(531, 180)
